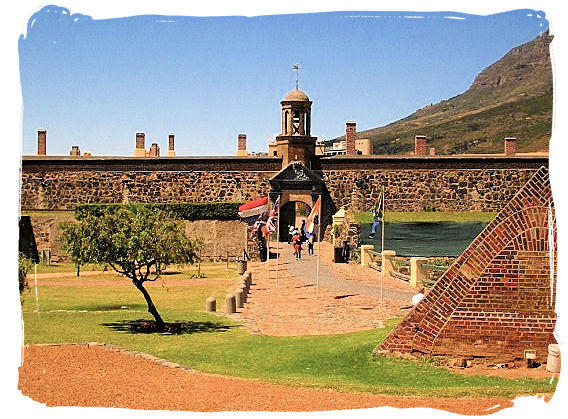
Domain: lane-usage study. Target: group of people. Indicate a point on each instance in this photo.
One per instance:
(296, 237)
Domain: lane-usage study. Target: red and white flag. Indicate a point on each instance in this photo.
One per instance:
(311, 218)
(272, 221)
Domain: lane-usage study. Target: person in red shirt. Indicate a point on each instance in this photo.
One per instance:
(297, 244)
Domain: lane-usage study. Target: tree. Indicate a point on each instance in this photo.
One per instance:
(24, 268)
(137, 241)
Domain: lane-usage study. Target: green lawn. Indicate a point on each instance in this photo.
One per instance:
(215, 344)
(365, 217)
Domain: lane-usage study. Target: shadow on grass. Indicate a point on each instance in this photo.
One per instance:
(175, 328)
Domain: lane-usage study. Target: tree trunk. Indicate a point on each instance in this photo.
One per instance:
(151, 307)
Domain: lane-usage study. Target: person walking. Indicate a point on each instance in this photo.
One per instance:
(297, 245)
(311, 245)
(290, 233)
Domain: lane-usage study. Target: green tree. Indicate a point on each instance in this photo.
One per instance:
(137, 241)
(24, 268)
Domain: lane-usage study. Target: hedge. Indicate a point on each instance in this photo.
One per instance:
(182, 210)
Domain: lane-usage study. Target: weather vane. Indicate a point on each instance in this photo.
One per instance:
(297, 68)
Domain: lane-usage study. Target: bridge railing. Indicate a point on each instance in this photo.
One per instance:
(417, 271)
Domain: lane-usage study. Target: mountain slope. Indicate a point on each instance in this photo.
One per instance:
(512, 97)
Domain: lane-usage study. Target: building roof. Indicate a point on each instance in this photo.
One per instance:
(296, 95)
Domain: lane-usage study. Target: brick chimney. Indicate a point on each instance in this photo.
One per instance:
(350, 137)
(510, 146)
(420, 145)
(242, 145)
(140, 149)
(432, 151)
(41, 142)
(75, 152)
(154, 150)
(171, 146)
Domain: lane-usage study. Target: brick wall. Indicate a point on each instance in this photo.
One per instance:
(497, 299)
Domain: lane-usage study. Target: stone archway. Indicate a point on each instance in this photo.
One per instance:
(292, 213)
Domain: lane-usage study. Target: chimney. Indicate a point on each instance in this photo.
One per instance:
(140, 150)
(432, 151)
(510, 146)
(350, 136)
(242, 145)
(420, 145)
(41, 142)
(75, 152)
(171, 147)
(154, 150)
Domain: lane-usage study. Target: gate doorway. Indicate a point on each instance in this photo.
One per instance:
(292, 214)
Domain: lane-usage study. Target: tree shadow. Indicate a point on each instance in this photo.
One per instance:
(174, 328)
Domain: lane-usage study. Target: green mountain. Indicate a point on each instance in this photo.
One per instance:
(510, 98)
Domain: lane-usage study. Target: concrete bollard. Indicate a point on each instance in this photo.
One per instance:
(211, 305)
(417, 272)
(366, 257)
(230, 303)
(243, 284)
(387, 262)
(240, 297)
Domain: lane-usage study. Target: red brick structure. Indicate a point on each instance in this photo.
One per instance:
(498, 298)
(242, 142)
(420, 145)
(350, 137)
(154, 150)
(41, 142)
(171, 140)
(510, 146)
(140, 139)
(75, 152)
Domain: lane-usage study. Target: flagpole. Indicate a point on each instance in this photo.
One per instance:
(319, 245)
(277, 241)
(382, 241)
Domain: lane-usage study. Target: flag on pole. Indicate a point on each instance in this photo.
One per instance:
(377, 213)
(254, 213)
(270, 226)
(311, 218)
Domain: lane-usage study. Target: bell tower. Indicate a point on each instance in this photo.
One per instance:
(295, 143)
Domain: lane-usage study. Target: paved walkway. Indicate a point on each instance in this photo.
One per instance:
(305, 270)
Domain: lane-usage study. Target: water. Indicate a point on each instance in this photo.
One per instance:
(424, 239)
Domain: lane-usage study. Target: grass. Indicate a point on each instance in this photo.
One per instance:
(365, 217)
(215, 344)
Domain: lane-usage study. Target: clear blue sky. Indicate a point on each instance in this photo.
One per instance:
(95, 83)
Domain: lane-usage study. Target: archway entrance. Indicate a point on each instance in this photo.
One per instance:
(291, 214)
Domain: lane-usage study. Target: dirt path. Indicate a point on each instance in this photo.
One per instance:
(76, 375)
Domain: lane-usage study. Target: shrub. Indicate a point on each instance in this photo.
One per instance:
(181, 210)
(24, 268)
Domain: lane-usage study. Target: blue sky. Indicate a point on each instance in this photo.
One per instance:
(96, 82)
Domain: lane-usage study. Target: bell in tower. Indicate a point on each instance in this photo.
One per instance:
(295, 142)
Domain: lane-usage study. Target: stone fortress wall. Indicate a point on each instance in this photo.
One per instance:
(411, 183)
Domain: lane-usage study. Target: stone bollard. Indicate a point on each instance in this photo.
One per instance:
(240, 297)
(387, 262)
(249, 274)
(243, 284)
(247, 278)
(366, 256)
(211, 305)
(417, 272)
(230, 302)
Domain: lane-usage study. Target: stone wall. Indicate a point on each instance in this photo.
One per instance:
(411, 184)
(62, 190)
(220, 237)
(426, 189)
(498, 298)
